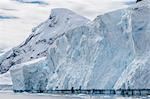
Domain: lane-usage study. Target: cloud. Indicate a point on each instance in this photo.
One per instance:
(40, 2)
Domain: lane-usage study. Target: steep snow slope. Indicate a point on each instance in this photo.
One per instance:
(42, 37)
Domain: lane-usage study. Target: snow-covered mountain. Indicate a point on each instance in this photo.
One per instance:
(112, 51)
(37, 44)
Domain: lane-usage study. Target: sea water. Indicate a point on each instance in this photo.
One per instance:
(11, 95)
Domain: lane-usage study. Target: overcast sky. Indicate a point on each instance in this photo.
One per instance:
(17, 19)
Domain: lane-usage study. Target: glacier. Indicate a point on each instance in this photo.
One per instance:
(68, 50)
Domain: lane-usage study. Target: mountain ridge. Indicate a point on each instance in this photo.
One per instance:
(40, 37)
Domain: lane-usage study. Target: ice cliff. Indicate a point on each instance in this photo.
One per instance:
(31, 76)
(136, 75)
(112, 51)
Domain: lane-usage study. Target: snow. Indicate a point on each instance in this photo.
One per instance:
(112, 51)
(5, 79)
